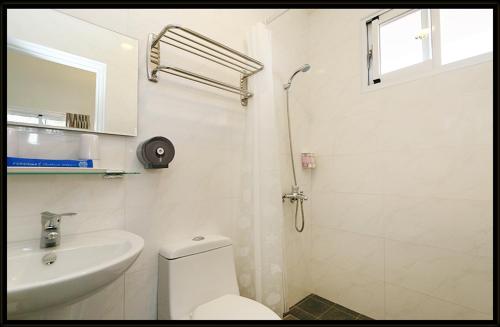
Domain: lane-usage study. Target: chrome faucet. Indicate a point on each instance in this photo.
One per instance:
(51, 234)
(295, 195)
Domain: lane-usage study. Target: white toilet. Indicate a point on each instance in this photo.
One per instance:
(197, 280)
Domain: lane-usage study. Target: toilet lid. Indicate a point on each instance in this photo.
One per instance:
(233, 307)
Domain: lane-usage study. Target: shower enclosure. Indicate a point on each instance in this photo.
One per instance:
(398, 217)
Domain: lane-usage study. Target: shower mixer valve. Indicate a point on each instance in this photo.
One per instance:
(295, 195)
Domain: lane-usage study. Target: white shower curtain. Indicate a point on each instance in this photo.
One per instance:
(258, 247)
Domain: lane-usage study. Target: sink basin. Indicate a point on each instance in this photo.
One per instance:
(79, 266)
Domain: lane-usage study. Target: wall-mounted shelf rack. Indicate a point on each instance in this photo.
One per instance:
(106, 173)
(202, 46)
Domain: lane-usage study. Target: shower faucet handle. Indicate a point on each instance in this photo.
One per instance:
(294, 195)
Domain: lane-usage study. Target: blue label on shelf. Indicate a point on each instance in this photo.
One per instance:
(29, 162)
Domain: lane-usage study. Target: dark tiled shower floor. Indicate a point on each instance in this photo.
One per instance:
(314, 307)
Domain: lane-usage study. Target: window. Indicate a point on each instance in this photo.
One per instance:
(465, 33)
(402, 43)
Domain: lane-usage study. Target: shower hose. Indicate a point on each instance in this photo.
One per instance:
(301, 201)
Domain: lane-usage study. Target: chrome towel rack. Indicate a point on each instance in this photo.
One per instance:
(202, 46)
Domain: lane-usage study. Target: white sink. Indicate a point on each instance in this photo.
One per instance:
(84, 264)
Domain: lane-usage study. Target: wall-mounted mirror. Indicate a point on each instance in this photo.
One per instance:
(66, 73)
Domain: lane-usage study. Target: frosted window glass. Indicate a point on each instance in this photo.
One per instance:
(398, 46)
(465, 33)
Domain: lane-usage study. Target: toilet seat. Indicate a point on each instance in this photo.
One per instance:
(233, 307)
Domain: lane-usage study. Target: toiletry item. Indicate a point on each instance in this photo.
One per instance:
(77, 120)
(12, 142)
(89, 148)
(157, 152)
(308, 161)
(32, 162)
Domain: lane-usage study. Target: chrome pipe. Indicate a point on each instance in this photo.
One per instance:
(204, 80)
(202, 56)
(212, 49)
(220, 45)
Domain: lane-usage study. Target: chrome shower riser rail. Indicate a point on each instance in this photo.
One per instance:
(206, 48)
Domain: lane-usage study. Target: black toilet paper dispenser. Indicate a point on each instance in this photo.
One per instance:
(156, 152)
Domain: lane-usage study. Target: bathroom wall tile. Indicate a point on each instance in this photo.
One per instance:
(88, 221)
(462, 172)
(481, 75)
(348, 251)
(299, 122)
(297, 244)
(112, 152)
(28, 227)
(358, 173)
(62, 193)
(358, 213)
(460, 225)
(328, 102)
(287, 31)
(411, 120)
(341, 24)
(343, 65)
(140, 294)
(25, 227)
(167, 223)
(477, 117)
(458, 278)
(217, 217)
(356, 133)
(355, 290)
(113, 19)
(405, 304)
(298, 284)
(97, 202)
(22, 228)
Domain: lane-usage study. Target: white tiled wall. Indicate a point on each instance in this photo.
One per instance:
(399, 224)
(198, 193)
(289, 36)
(402, 193)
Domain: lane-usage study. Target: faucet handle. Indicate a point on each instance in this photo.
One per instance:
(66, 214)
(51, 214)
(46, 215)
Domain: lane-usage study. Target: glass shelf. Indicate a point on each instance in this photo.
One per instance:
(109, 173)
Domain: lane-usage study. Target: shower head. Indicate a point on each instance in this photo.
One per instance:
(303, 69)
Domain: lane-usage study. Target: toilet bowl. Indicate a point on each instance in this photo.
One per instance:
(197, 281)
(233, 307)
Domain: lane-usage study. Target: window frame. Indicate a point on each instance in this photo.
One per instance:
(371, 70)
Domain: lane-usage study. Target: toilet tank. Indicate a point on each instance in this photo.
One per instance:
(192, 272)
